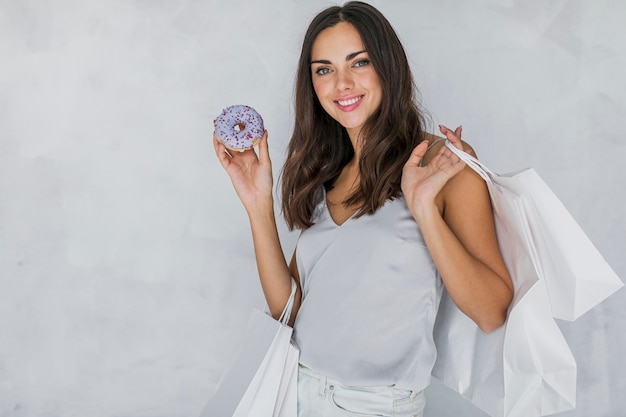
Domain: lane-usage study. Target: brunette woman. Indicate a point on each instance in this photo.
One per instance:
(387, 214)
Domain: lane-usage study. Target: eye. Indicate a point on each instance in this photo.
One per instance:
(322, 71)
(362, 63)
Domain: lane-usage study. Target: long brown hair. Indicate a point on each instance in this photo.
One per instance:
(320, 146)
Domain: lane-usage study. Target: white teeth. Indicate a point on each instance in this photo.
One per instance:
(349, 102)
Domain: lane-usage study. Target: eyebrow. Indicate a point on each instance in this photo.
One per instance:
(348, 58)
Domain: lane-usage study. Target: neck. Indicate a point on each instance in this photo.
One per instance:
(346, 183)
(355, 139)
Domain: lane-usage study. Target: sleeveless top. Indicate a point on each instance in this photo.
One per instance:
(370, 294)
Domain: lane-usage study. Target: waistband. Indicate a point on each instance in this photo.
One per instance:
(330, 384)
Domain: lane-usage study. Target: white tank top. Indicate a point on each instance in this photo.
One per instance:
(370, 297)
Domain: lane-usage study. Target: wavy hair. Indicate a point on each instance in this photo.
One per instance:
(320, 147)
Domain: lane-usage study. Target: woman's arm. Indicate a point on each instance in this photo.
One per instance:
(451, 204)
(251, 176)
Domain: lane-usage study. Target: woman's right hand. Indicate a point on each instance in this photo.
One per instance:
(251, 174)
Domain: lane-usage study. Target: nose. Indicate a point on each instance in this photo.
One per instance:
(344, 80)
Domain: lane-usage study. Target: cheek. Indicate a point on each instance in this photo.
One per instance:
(373, 82)
(321, 88)
(322, 93)
(324, 86)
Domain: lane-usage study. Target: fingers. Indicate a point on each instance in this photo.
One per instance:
(246, 157)
(445, 156)
(418, 153)
(457, 132)
(447, 163)
(220, 151)
(453, 136)
(264, 154)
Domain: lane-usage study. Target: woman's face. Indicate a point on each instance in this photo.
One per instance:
(343, 77)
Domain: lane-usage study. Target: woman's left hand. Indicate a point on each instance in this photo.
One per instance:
(421, 184)
(462, 238)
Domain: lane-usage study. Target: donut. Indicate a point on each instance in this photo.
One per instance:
(239, 127)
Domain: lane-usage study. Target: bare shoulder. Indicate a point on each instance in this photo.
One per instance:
(466, 187)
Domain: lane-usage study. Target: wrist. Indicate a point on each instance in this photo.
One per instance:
(261, 208)
(424, 212)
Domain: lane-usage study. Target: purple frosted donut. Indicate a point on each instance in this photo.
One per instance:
(239, 127)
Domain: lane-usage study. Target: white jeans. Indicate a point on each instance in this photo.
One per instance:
(319, 396)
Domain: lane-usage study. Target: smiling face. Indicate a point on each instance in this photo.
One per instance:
(344, 79)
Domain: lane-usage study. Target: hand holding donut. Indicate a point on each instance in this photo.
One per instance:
(251, 174)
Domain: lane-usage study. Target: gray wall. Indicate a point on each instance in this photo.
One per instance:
(126, 268)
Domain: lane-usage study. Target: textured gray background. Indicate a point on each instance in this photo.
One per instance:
(126, 268)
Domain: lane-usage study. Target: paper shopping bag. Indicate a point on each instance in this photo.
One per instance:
(576, 275)
(525, 368)
(261, 378)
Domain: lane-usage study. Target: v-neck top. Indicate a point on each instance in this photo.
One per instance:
(370, 297)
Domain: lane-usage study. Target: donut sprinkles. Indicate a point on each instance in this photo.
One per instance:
(239, 127)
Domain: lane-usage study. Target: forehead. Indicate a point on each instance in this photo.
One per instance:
(337, 42)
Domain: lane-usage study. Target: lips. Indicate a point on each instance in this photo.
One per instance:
(349, 103)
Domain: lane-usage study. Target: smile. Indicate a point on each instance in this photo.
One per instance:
(349, 102)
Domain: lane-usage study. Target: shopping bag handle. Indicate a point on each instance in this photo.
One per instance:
(286, 314)
(472, 162)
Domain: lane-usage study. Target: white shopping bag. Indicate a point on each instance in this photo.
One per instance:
(576, 275)
(524, 368)
(261, 379)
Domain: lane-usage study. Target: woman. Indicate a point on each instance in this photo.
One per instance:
(386, 219)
